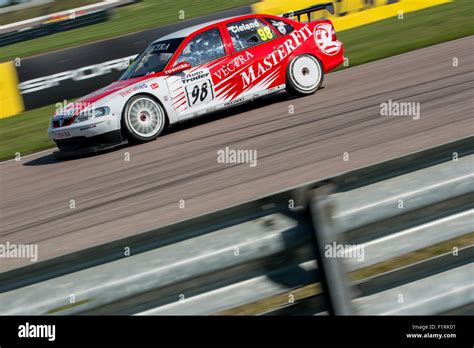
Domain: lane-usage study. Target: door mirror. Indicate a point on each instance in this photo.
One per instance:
(178, 68)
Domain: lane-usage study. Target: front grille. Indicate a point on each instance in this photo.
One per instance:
(66, 122)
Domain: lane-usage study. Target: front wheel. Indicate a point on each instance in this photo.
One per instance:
(304, 75)
(143, 119)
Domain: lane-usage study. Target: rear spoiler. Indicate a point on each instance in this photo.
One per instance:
(329, 6)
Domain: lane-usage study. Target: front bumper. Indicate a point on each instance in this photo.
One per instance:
(81, 145)
(86, 137)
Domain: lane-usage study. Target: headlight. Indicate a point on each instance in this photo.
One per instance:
(101, 111)
(87, 115)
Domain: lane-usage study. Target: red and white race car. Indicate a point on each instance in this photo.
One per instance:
(199, 70)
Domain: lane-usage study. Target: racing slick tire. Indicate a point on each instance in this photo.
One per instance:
(143, 119)
(304, 75)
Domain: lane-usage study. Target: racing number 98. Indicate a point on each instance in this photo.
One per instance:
(265, 33)
(199, 92)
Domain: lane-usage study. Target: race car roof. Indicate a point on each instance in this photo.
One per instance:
(187, 31)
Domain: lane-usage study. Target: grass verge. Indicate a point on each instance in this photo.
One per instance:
(26, 133)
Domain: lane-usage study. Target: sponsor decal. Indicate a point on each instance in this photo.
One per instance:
(61, 135)
(233, 102)
(280, 25)
(233, 65)
(180, 67)
(134, 89)
(323, 39)
(255, 71)
(239, 28)
(161, 47)
(154, 86)
(194, 76)
(80, 74)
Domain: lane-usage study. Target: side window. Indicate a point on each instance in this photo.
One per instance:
(203, 48)
(282, 27)
(249, 32)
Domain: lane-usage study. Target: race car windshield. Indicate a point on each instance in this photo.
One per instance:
(153, 59)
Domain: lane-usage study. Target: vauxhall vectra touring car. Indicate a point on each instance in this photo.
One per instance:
(199, 70)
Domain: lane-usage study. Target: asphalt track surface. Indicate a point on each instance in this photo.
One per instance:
(115, 198)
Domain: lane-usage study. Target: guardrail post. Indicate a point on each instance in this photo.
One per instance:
(326, 234)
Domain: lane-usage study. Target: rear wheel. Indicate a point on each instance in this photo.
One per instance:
(304, 75)
(143, 119)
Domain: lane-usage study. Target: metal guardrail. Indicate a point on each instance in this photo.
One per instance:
(271, 258)
(433, 291)
(372, 221)
(168, 266)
